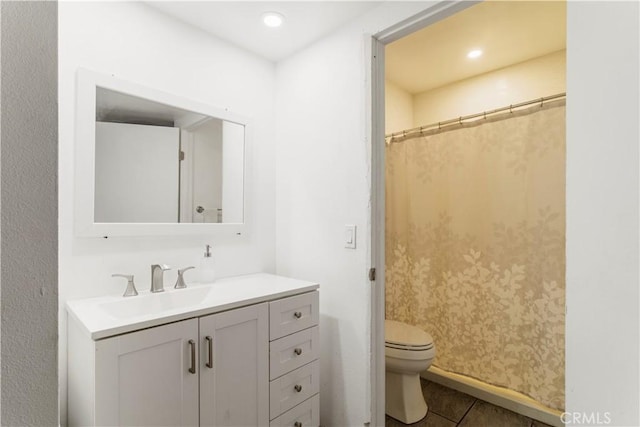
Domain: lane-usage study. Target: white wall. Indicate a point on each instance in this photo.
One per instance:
(207, 165)
(29, 214)
(520, 82)
(398, 111)
(602, 210)
(524, 81)
(131, 185)
(323, 180)
(233, 149)
(139, 44)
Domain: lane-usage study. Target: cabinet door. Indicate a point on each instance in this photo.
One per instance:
(234, 376)
(144, 378)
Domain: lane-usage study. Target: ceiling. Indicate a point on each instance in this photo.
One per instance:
(508, 32)
(240, 22)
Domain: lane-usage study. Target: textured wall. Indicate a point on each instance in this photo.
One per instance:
(29, 135)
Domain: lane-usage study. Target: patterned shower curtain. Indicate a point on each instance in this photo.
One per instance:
(475, 247)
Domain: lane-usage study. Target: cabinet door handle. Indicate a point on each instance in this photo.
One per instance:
(298, 388)
(297, 424)
(209, 363)
(298, 351)
(297, 314)
(192, 344)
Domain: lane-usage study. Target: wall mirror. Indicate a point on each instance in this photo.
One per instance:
(153, 163)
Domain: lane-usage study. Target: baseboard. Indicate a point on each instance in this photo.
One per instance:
(499, 396)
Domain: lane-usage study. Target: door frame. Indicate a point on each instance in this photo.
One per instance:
(376, 106)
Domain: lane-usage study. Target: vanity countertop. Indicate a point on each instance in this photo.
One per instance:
(103, 317)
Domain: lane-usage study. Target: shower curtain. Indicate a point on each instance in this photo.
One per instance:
(475, 247)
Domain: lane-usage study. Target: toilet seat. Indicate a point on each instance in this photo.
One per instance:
(408, 347)
(405, 337)
(403, 341)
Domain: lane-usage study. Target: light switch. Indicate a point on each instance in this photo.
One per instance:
(350, 236)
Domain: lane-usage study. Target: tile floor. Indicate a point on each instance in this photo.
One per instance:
(451, 408)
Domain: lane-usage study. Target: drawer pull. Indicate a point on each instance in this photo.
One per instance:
(297, 424)
(297, 314)
(209, 363)
(298, 351)
(192, 344)
(298, 388)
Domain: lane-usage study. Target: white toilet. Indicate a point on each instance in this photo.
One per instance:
(408, 351)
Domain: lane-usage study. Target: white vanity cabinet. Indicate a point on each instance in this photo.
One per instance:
(251, 362)
(211, 371)
(151, 365)
(234, 369)
(294, 350)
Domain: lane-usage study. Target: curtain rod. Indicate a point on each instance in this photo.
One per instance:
(484, 114)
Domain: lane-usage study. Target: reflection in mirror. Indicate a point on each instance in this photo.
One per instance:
(156, 163)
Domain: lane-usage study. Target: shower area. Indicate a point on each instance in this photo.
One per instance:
(475, 195)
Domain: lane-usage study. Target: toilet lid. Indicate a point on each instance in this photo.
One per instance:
(402, 335)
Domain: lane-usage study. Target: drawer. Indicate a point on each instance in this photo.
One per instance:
(291, 352)
(293, 388)
(306, 414)
(293, 314)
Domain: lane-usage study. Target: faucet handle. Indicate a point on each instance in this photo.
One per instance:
(180, 282)
(131, 287)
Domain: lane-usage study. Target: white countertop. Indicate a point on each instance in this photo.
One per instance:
(224, 294)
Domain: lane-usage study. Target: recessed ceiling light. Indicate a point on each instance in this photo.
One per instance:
(272, 19)
(474, 54)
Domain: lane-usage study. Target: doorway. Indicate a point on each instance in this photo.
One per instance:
(431, 16)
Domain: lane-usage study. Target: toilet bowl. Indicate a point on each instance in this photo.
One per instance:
(408, 351)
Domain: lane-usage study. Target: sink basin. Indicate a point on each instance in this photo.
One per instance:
(148, 304)
(111, 315)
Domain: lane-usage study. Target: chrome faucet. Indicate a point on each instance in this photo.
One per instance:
(157, 275)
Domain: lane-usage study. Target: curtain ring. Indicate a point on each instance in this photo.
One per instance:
(541, 102)
(460, 120)
(438, 125)
(485, 115)
(511, 108)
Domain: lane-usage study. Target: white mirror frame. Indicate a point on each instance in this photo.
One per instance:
(85, 144)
